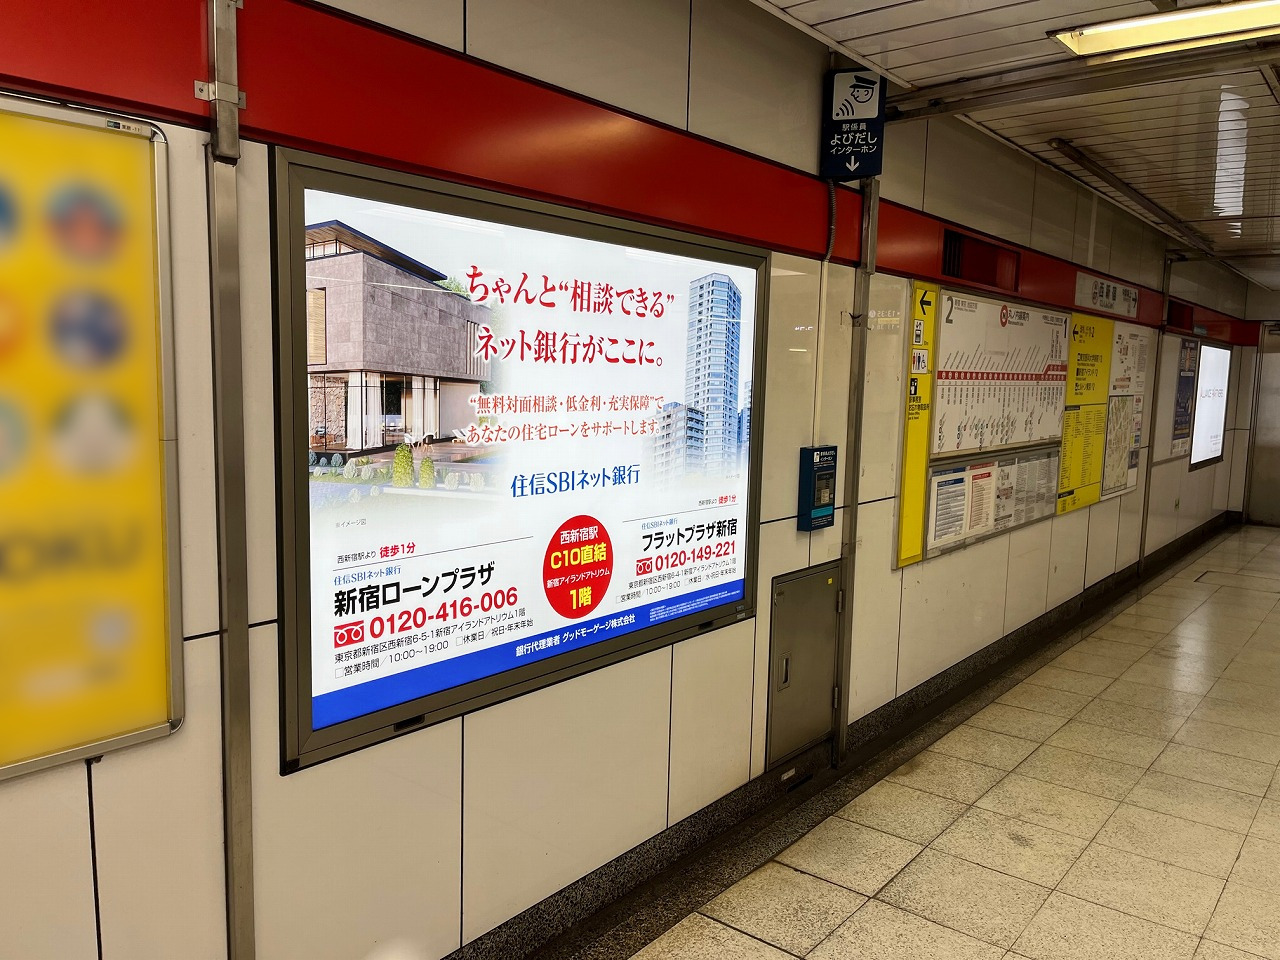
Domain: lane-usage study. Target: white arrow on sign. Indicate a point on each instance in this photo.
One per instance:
(852, 164)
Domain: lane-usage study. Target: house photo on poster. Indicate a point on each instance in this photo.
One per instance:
(520, 444)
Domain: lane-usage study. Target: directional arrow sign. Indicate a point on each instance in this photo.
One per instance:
(925, 302)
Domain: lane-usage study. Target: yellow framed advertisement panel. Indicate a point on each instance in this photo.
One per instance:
(90, 650)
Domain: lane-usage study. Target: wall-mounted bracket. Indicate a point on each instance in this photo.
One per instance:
(225, 92)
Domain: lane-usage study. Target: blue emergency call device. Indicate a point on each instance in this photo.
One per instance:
(817, 506)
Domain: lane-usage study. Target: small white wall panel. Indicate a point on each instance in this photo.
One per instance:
(1239, 467)
(158, 816)
(360, 853)
(1210, 285)
(790, 381)
(952, 606)
(46, 870)
(193, 368)
(905, 154)
(783, 549)
(1026, 595)
(1086, 210)
(753, 83)
(711, 690)
(258, 351)
(1104, 221)
(1129, 535)
(1066, 556)
(1162, 515)
(882, 394)
(1053, 220)
(974, 179)
(1245, 359)
(1222, 473)
(877, 599)
(835, 354)
(1126, 246)
(1104, 534)
(439, 21)
(631, 55)
(826, 544)
(1152, 266)
(561, 781)
(1197, 499)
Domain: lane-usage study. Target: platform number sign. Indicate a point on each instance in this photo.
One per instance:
(852, 125)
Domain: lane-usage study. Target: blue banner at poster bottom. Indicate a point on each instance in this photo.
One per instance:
(365, 698)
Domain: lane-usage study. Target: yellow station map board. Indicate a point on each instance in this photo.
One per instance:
(1084, 422)
(86, 640)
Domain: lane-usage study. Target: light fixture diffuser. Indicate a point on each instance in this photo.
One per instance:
(1173, 31)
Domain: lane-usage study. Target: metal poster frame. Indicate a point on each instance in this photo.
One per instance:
(1195, 403)
(293, 173)
(116, 124)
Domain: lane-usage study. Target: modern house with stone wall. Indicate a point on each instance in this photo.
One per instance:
(390, 352)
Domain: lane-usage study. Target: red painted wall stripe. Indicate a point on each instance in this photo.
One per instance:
(320, 81)
(143, 56)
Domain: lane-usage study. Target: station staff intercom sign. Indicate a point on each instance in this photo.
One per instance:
(852, 126)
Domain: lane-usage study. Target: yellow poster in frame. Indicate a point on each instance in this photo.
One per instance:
(90, 647)
(921, 338)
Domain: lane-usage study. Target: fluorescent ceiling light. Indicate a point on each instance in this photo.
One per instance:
(1175, 30)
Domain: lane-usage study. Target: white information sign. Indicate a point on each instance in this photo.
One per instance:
(1100, 293)
(1001, 375)
(541, 444)
(1210, 420)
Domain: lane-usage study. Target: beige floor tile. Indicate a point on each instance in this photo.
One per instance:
(1084, 662)
(902, 811)
(1233, 741)
(1079, 771)
(1158, 675)
(1259, 865)
(1243, 715)
(1205, 766)
(1072, 681)
(1182, 662)
(1016, 722)
(1142, 638)
(784, 907)
(1150, 624)
(1113, 649)
(1165, 606)
(1107, 743)
(881, 932)
(1243, 691)
(948, 777)
(1144, 888)
(1208, 950)
(965, 896)
(1034, 696)
(1151, 698)
(985, 746)
(1184, 589)
(1172, 840)
(1267, 823)
(1201, 802)
(849, 854)
(698, 938)
(1216, 951)
(1071, 929)
(1206, 627)
(1050, 805)
(1131, 719)
(1021, 849)
(1247, 919)
(1253, 673)
(1249, 581)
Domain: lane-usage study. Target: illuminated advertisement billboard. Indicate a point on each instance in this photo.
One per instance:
(521, 446)
(1211, 404)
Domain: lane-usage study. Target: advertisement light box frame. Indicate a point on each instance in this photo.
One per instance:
(295, 173)
(1192, 463)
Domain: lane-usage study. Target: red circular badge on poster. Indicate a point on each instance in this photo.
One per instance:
(578, 567)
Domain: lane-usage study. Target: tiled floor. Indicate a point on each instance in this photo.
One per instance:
(1120, 802)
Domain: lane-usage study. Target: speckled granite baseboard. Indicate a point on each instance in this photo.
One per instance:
(613, 911)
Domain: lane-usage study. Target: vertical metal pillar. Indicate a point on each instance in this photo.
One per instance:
(853, 458)
(228, 396)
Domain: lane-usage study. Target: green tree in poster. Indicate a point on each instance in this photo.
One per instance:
(402, 467)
